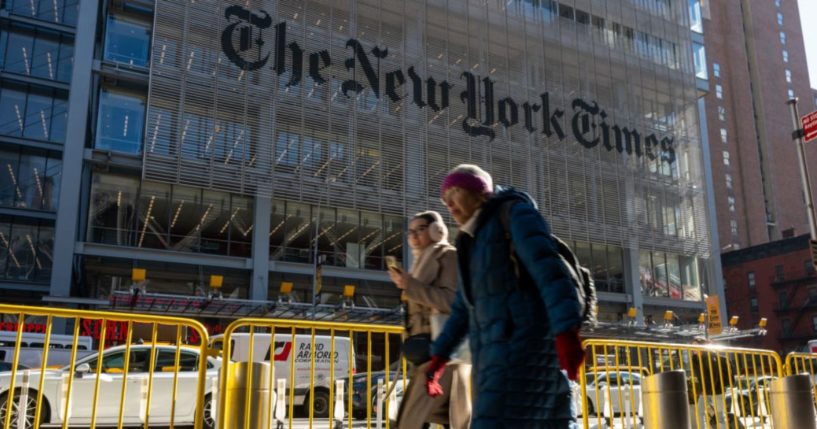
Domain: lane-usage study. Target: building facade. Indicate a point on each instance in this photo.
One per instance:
(251, 139)
(756, 179)
(775, 280)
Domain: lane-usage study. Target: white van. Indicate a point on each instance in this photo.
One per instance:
(31, 348)
(284, 351)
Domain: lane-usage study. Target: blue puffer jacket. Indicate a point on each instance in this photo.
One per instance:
(511, 321)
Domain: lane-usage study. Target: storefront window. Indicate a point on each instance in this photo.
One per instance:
(127, 41)
(120, 121)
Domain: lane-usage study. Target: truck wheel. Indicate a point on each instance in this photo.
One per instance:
(320, 404)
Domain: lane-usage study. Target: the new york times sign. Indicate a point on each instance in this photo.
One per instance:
(251, 31)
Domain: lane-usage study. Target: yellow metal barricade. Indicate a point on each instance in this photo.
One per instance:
(803, 363)
(149, 382)
(727, 386)
(309, 358)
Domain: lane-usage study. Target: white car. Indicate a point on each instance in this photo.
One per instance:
(621, 387)
(110, 388)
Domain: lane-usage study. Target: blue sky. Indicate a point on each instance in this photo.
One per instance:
(808, 18)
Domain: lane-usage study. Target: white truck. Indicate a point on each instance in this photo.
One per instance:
(31, 348)
(283, 352)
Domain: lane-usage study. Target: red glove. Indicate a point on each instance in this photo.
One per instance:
(433, 373)
(570, 351)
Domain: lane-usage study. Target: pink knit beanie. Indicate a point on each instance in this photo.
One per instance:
(469, 177)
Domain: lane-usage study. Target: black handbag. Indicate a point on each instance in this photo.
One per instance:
(417, 348)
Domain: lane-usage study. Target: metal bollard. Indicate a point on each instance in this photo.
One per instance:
(792, 403)
(260, 415)
(664, 396)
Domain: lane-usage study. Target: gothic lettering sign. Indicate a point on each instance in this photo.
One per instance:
(248, 32)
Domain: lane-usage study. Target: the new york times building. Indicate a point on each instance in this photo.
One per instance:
(271, 127)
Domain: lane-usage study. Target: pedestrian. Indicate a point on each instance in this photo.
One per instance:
(517, 304)
(429, 288)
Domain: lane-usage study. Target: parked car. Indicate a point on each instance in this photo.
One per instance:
(359, 396)
(6, 367)
(110, 385)
(621, 384)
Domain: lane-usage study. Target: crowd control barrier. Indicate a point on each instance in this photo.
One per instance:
(134, 381)
(311, 357)
(727, 387)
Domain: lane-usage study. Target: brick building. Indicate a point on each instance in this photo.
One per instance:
(756, 62)
(774, 280)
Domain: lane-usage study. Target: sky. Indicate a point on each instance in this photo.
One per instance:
(808, 12)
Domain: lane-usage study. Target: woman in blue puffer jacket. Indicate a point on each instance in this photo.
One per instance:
(517, 303)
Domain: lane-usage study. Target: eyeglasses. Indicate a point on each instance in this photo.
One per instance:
(417, 231)
(449, 195)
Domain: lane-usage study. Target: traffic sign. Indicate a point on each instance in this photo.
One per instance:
(713, 309)
(809, 126)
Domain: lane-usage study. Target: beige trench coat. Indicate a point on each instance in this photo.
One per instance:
(424, 301)
(453, 407)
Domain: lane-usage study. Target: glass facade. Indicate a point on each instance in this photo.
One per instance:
(29, 180)
(592, 111)
(63, 12)
(33, 112)
(30, 51)
(126, 212)
(127, 41)
(26, 250)
(120, 122)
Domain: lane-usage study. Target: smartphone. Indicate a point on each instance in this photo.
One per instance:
(393, 264)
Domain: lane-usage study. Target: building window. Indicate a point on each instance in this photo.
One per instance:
(728, 181)
(778, 272)
(127, 41)
(812, 294)
(814, 323)
(808, 264)
(120, 121)
(786, 326)
(125, 212)
(731, 203)
(733, 227)
(779, 19)
(696, 23)
(722, 113)
(27, 250)
(36, 52)
(753, 304)
(29, 180)
(783, 300)
(788, 76)
(791, 94)
(725, 158)
(724, 139)
(716, 69)
(782, 37)
(32, 112)
(699, 58)
(785, 56)
(750, 278)
(57, 11)
(777, 3)
(719, 91)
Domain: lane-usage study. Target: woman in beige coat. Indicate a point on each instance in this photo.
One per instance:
(429, 288)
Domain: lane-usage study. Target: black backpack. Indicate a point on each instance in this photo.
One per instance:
(583, 279)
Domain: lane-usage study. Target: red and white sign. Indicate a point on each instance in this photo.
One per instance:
(809, 126)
